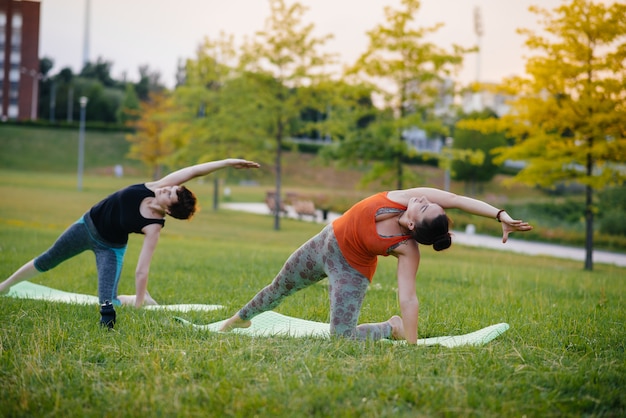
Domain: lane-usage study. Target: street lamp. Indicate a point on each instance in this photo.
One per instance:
(35, 90)
(81, 141)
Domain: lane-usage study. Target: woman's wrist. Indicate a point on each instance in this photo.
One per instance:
(500, 212)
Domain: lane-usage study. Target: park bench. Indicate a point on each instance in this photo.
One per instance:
(305, 208)
(270, 201)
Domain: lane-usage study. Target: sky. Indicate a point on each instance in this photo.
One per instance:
(159, 33)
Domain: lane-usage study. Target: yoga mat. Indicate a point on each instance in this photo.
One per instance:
(28, 290)
(274, 324)
(266, 324)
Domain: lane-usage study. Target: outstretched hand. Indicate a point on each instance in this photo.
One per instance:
(512, 225)
(238, 163)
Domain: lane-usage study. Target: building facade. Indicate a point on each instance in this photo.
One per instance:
(19, 61)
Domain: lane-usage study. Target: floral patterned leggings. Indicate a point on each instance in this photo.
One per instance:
(316, 259)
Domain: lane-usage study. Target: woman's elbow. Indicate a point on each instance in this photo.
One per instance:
(409, 301)
(141, 273)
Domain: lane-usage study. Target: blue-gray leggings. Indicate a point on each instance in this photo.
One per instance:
(316, 259)
(82, 236)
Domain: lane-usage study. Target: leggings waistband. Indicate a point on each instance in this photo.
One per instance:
(91, 227)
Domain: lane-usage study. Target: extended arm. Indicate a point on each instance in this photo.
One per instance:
(449, 200)
(408, 263)
(185, 174)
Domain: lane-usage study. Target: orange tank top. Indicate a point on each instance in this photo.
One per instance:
(357, 237)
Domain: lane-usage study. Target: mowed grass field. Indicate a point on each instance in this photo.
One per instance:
(562, 356)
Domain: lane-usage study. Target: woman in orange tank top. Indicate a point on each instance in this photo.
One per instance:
(346, 251)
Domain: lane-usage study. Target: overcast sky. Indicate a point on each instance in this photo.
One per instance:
(158, 33)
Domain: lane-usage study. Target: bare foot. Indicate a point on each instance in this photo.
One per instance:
(127, 299)
(148, 300)
(234, 322)
(397, 327)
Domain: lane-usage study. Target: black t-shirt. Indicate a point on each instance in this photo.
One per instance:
(118, 215)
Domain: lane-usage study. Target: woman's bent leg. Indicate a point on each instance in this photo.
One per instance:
(347, 288)
(72, 242)
(303, 268)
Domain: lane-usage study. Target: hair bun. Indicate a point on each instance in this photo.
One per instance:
(442, 242)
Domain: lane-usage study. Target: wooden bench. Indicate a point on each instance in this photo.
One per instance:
(270, 201)
(305, 208)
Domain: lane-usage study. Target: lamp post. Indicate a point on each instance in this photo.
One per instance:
(35, 90)
(81, 141)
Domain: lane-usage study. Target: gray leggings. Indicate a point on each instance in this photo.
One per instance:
(316, 259)
(82, 236)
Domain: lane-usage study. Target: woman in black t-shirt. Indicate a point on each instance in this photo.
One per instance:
(104, 229)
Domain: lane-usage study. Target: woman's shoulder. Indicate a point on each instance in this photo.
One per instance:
(139, 187)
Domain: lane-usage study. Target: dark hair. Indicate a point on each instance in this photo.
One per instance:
(434, 232)
(186, 205)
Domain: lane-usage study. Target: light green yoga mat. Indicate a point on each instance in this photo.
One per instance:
(272, 323)
(28, 290)
(266, 324)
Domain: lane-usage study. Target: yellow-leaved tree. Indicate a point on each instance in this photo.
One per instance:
(152, 142)
(569, 115)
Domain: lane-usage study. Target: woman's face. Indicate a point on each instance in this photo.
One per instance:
(420, 209)
(166, 196)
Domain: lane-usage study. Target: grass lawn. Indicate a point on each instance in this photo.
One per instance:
(562, 356)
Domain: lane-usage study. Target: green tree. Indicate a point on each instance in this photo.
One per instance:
(569, 117)
(46, 89)
(64, 94)
(213, 105)
(278, 64)
(212, 109)
(342, 109)
(149, 82)
(129, 108)
(101, 71)
(410, 74)
(467, 139)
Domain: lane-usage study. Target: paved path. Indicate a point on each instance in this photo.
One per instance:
(474, 240)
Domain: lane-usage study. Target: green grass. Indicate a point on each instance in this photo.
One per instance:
(563, 355)
(56, 150)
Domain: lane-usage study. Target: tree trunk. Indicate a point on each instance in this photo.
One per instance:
(279, 150)
(589, 218)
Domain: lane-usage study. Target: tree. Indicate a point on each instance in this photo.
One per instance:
(46, 89)
(410, 74)
(151, 143)
(101, 71)
(128, 112)
(467, 139)
(214, 113)
(569, 117)
(277, 65)
(149, 82)
(64, 94)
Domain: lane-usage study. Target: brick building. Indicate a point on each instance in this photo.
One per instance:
(19, 61)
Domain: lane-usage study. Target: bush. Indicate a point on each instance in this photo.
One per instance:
(613, 222)
(612, 211)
